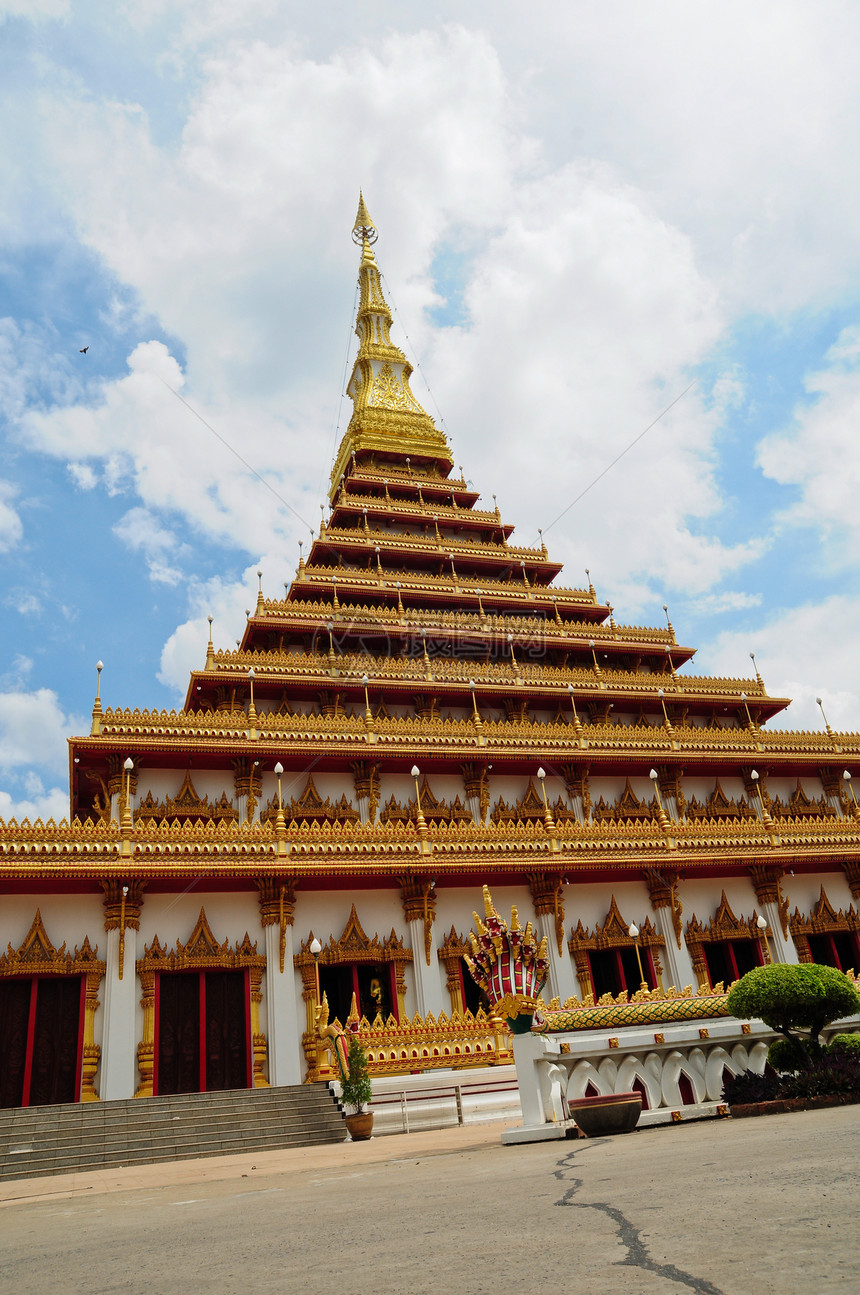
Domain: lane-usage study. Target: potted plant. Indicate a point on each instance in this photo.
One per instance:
(355, 1092)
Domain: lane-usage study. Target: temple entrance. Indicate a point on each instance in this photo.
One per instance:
(41, 1040)
(373, 985)
(203, 1040)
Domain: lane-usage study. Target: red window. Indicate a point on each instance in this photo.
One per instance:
(616, 971)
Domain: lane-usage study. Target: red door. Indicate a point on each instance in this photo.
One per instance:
(41, 1040)
(203, 1041)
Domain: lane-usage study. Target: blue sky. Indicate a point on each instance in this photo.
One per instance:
(578, 216)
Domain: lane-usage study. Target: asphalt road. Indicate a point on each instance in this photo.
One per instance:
(722, 1207)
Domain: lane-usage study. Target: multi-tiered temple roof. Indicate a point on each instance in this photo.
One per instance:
(417, 631)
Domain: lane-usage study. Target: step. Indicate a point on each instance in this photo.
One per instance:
(67, 1139)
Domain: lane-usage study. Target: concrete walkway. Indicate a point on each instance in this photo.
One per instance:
(722, 1207)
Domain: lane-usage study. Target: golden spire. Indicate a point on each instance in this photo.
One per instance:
(386, 416)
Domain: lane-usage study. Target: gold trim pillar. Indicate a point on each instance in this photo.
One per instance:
(418, 896)
(767, 881)
(277, 912)
(667, 909)
(119, 1028)
(548, 900)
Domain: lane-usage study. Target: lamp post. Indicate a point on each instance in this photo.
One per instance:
(820, 706)
(577, 726)
(419, 817)
(761, 923)
(633, 932)
(475, 713)
(661, 812)
(597, 669)
(128, 765)
(765, 812)
(316, 950)
(548, 818)
(661, 694)
(847, 780)
(330, 628)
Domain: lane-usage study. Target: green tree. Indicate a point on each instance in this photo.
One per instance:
(796, 1000)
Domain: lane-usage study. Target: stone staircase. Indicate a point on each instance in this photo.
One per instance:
(37, 1141)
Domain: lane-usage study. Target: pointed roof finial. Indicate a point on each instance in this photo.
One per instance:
(364, 230)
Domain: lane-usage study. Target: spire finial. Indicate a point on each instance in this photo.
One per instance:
(97, 704)
(364, 229)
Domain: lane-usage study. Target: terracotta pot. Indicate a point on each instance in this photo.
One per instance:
(599, 1116)
(360, 1126)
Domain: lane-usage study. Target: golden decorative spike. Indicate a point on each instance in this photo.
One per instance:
(515, 921)
(488, 903)
(386, 416)
(364, 227)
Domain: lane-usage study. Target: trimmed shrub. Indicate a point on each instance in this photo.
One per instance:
(790, 997)
(849, 1044)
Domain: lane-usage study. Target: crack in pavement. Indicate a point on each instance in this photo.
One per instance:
(630, 1236)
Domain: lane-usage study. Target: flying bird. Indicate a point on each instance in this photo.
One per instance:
(84, 349)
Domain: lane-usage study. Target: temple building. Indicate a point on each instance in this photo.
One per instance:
(429, 708)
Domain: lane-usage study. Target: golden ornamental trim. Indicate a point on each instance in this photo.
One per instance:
(354, 946)
(200, 951)
(37, 956)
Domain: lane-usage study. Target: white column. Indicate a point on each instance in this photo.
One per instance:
(282, 994)
(782, 948)
(677, 965)
(119, 1042)
(429, 989)
(561, 979)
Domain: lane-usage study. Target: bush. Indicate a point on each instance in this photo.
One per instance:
(834, 1074)
(751, 1087)
(848, 1044)
(788, 1055)
(356, 1091)
(790, 997)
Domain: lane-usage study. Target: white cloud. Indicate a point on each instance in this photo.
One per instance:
(34, 730)
(34, 10)
(226, 602)
(11, 529)
(802, 653)
(586, 308)
(819, 454)
(142, 533)
(50, 804)
(729, 600)
(83, 476)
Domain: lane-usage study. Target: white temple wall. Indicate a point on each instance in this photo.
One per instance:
(66, 918)
(803, 890)
(590, 902)
(399, 785)
(701, 897)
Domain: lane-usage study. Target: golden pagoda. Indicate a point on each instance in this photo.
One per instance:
(424, 713)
